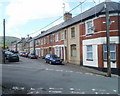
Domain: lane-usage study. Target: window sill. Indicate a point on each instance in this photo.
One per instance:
(72, 37)
(89, 34)
(110, 61)
(89, 59)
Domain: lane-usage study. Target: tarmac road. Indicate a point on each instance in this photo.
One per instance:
(31, 76)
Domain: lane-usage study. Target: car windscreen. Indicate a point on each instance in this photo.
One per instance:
(32, 54)
(55, 56)
(14, 54)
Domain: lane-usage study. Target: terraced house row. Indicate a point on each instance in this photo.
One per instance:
(81, 39)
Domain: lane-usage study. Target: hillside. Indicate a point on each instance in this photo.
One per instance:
(8, 40)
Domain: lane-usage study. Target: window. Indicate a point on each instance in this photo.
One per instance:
(112, 52)
(56, 37)
(62, 35)
(73, 50)
(89, 52)
(89, 27)
(37, 42)
(47, 39)
(44, 40)
(57, 51)
(65, 34)
(72, 32)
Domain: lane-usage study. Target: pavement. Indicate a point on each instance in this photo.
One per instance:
(92, 70)
(84, 68)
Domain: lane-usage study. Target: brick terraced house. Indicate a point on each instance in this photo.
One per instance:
(82, 39)
(93, 50)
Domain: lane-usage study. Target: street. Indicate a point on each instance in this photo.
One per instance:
(34, 76)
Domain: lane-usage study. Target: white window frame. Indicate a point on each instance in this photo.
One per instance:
(89, 52)
(72, 32)
(86, 24)
(65, 34)
(73, 50)
(57, 51)
(105, 51)
(56, 37)
(62, 35)
(44, 40)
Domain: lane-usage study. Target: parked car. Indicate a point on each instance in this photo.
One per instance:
(13, 57)
(53, 59)
(20, 53)
(7, 53)
(24, 54)
(32, 56)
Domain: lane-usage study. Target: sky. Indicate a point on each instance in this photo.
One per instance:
(29, 17)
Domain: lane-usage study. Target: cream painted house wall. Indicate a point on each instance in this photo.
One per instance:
(70, 41)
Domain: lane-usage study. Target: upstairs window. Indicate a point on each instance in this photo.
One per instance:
(65, 35)
(62, 35)
(56, 37)
(89, 27)
(37, 42)
(73, 32)
(42, 41)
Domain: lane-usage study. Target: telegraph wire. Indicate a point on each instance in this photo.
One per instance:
(57, 19)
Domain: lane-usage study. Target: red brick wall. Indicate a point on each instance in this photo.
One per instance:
(99, 26)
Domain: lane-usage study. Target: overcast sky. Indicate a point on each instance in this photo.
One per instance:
(24, 17)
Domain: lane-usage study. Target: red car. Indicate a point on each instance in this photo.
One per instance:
(32, 56)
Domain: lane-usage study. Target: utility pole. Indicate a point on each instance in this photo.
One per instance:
(3, 41)
(108, 39)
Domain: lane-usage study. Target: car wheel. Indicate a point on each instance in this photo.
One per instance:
(9, 60)
(18, 60)
(50, 62)
(46, 62)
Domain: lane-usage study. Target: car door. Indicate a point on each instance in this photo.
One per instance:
(47, 58)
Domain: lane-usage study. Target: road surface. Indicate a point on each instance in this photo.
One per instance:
(32, 76)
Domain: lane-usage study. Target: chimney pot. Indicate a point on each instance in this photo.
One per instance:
(67, 16)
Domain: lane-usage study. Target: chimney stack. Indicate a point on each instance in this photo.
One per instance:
(67, 16)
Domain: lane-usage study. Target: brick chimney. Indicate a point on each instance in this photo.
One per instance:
(67, 16)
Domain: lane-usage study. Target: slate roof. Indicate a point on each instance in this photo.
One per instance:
(92, 12)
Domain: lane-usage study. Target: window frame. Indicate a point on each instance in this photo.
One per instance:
(72, 31)
(65, 34)
(62, 35)
(105, 51)
(90, 28)
(88, 52)
(73, 50)
(56, 37)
